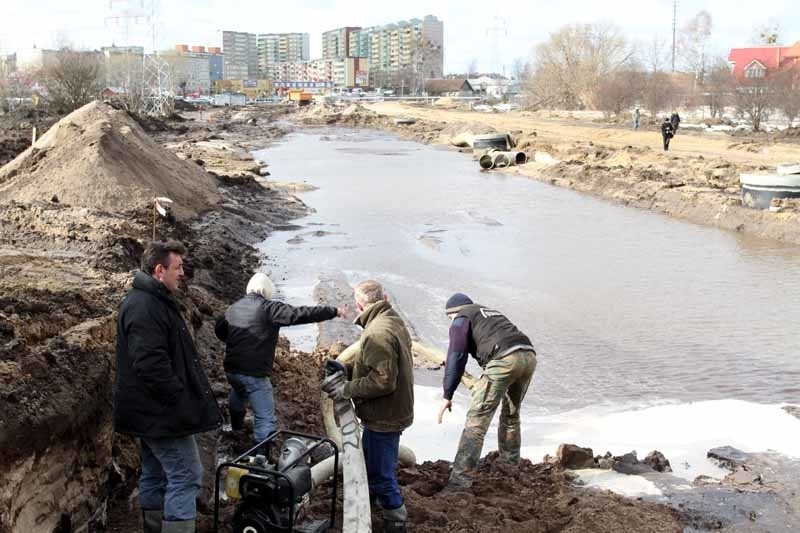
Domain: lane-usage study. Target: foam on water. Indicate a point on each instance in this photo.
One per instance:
(682, 432)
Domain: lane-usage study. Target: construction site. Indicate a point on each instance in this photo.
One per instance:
(77, 211)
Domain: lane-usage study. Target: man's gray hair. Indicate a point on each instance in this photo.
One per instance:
(368, 292)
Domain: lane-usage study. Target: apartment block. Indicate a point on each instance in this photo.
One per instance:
(240, 51)
(336, 43)
(275, 48)
(397, 46)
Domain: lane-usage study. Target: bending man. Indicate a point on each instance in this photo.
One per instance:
(508, 360)
(250, 329)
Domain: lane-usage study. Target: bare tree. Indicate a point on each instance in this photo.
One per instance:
(655, 56)
(787, 93)
(693, 44)
(426, 63)
(754, 97)
(766, 34)
(658, 92)
(618, 91)
(520, 69)
(571, 63)
(718, 86)
(125, 71)
(472, 67)
(71, 78)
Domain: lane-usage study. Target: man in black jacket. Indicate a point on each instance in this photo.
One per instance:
(667, 132)
(508, 360)
(161, 393)
(250, 329)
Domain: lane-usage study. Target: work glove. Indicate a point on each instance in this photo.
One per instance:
(335, 388)
(333, 384)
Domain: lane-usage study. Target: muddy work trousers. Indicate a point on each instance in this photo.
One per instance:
(503, 381)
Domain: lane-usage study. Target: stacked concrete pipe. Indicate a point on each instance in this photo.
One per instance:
(501, 159)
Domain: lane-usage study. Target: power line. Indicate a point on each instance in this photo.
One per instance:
(674, 30)
(498, 26)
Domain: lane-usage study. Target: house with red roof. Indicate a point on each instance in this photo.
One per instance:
(762, 61)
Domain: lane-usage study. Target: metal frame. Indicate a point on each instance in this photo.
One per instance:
(280, 475)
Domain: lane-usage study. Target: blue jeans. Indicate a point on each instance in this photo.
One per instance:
(380, 456)
(258, 391)
(172, 475)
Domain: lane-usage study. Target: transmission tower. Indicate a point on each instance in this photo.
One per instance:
(674, 30)
(498, 26)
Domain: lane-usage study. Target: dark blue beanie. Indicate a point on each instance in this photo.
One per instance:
(455, 301)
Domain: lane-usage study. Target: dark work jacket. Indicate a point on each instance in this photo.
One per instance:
(492, 333)
(382, 384)
(250, 331)
(161, 389)
(667, 130)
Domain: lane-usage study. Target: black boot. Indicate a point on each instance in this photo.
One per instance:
(394, 520)
(151, 520)
(237, 420)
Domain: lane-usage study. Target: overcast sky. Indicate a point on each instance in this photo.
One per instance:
(471, 28)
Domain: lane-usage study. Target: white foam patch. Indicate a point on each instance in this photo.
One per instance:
(631, 486)
(682, 432)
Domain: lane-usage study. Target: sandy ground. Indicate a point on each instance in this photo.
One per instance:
(565, 130)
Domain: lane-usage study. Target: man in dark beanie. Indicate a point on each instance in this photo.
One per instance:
(508, 360)
(161, 393)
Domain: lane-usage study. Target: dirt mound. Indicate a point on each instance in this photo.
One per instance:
(99, 157)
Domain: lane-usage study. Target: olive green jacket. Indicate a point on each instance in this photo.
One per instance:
(382, 383)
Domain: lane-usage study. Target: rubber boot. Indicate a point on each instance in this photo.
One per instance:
(237, 420)
(179, 526)
(151, 520)
(394, 520)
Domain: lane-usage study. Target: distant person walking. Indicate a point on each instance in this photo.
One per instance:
(667, 132)
(675, 120)
(636, 117)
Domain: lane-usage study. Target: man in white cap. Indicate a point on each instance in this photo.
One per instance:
(250, 329)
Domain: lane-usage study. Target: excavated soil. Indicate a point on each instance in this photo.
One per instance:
(65, 268)
(16, 130)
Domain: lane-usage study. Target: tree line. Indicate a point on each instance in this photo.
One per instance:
(594, 66)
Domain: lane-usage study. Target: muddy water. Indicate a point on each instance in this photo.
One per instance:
(625, 307)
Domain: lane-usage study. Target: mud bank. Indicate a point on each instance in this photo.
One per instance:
(64, 268)
(703, 189)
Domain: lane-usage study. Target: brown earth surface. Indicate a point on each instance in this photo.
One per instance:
(63, 272)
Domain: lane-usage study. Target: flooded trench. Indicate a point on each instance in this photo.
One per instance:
(652, 333)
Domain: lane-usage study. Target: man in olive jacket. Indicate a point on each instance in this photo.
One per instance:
(161, 393)
(382, 389)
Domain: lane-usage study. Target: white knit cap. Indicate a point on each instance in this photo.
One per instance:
(261, 284)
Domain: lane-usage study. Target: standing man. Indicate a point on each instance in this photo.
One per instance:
(636, 117)
(382, 389)
(250, 330)
(675, 120)
(161, 393)
(508, 360)
(667, 132)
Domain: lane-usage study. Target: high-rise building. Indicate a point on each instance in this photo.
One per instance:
(397, 46)
(240, 52)
(336, 43)
(276, 48)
